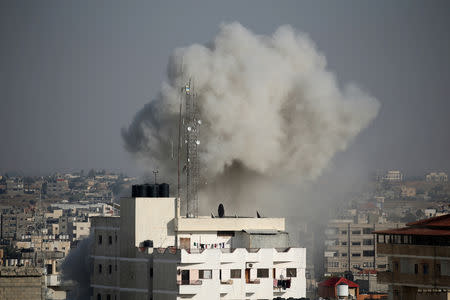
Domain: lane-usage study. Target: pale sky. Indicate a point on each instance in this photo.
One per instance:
(72, 74)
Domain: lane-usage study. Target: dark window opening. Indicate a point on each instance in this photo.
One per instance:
(425, 268)
(110, 269)
(235, 273)
(110, 240)
(291, 272)
(262, 273)
(151, 272)
(100, 239)
(99, 268)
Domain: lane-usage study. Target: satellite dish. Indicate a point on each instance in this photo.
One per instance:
(221, 210)
(199, 122)
(197, 142)
(189, 128)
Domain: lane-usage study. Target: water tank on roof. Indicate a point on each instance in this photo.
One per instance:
(150, 190)
(342, 290)
(147, 190)
(164, 190)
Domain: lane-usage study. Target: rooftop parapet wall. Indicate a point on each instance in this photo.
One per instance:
(20, 272)
(229, 224)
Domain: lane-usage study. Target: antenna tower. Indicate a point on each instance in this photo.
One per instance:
(191, 129)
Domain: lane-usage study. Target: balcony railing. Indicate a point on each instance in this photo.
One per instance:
(413, 279)
(189, 282)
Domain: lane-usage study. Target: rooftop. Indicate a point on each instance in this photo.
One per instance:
(204, 223)
(334, 281)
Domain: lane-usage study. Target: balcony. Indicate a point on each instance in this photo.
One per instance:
(189, 287)
(53, 280)
(413, 250)
(389, 277)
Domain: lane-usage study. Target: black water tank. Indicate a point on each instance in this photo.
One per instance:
(140, 190)
(154, 191)
(164, 190)
(134, 190)
(147, 190)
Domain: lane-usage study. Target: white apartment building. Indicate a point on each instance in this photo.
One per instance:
(393, 175)
(437, 177)
(151, 252)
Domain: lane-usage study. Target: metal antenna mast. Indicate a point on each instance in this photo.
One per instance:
(191, 129)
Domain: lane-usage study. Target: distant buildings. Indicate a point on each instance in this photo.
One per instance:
(440, 177)
(419, 259)
(393, 176)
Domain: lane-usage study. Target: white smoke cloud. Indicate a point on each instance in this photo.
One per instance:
(267, 102)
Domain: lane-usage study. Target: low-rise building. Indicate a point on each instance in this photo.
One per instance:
(21, 283)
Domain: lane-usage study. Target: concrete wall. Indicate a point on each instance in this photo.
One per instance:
(21, 283)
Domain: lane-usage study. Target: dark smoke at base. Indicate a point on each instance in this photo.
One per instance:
(76, 268)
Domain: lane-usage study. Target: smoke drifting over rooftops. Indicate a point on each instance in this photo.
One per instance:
(269, 107)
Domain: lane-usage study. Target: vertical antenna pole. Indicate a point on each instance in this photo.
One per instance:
(179, 145)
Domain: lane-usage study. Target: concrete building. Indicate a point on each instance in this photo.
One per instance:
(14, 223)
(21, 283)
(419, 259)
(151, 252)
(350, 246)
(437, 177)
(393, 176)
(79, 230)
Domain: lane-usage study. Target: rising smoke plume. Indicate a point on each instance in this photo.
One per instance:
(270, 109)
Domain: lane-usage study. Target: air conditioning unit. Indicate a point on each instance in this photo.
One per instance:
(248, 265)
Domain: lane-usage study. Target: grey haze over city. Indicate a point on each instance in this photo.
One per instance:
(73, 75)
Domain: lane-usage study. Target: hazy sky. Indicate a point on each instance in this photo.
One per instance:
(72, 74)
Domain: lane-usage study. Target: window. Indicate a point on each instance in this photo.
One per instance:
(262, 273)
(367, 242)
(344, 232)
(115, 237)
(356, 243)
(205, 274)
(235, 273)
(356, 231)
(344, 254)
(110, 269)
(99, 297)
(425, 268)
(115, 268)
(381, 266)
(110, 240)
(291, 272)
(416, 268)
(151, 272)
(369, 253)
(99, 239)
(367, 230)
(356, 254)
(344, 243)
(99, 268)
(108, 297)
